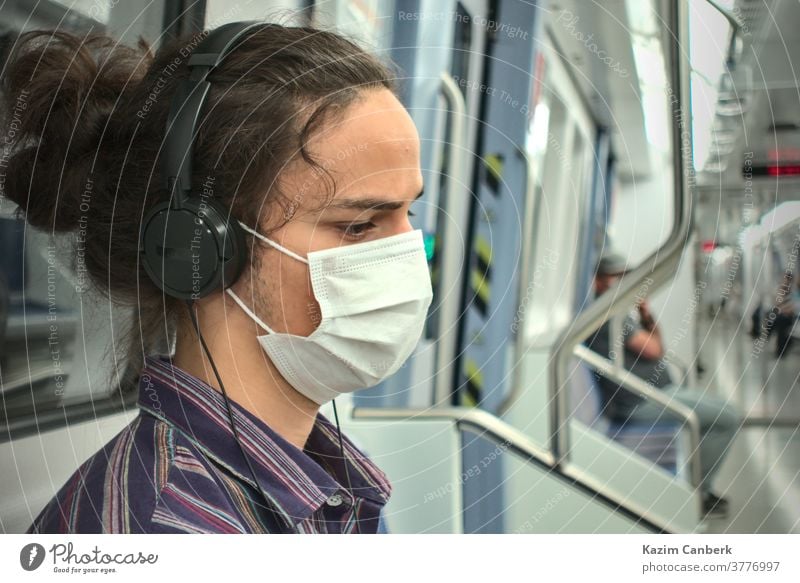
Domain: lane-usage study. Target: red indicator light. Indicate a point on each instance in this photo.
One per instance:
(786, 170)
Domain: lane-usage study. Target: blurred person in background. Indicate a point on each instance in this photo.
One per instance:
(643, 345)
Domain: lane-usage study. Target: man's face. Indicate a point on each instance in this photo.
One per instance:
(372, 153)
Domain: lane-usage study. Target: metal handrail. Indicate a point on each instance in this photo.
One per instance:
(468, 417)
(736, 30)
(491, 427)
(638, 386)
(657, 269)
(448, 308)
(530, 219)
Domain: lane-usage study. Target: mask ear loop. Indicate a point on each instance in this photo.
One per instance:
(273, 244)
(280, 248)
(248, 311)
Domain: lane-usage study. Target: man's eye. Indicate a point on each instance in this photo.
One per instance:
(411, 213)
(357, 230)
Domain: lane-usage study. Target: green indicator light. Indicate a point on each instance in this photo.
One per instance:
(430, 242)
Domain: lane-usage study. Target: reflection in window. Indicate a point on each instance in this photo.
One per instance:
(37, 327)
(56, 335)
(98, 10)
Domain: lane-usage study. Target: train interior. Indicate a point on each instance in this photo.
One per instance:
(551, 132)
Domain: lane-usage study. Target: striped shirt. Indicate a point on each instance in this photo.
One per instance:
(176, 468)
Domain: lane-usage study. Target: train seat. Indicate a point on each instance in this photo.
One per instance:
(662, 443)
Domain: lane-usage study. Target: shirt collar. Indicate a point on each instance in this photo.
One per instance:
(295, 481)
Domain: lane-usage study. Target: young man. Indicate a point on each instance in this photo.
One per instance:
(303, 143)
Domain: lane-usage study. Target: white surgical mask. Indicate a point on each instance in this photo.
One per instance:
(373, 299)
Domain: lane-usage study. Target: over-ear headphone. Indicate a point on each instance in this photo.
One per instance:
(190, 246)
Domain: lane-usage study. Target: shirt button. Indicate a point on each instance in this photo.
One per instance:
(334, 500)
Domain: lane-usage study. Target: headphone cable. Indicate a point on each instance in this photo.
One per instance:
(346, 469)
(189, 305)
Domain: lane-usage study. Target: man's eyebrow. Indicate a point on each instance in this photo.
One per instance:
(369, 203)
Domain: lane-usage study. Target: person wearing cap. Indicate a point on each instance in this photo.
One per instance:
(643, 345)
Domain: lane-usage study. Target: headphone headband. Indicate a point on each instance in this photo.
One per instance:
(190, 96)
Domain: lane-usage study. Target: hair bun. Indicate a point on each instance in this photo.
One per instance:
(59, 94)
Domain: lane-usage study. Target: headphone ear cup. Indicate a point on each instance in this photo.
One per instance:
(233, 245)
(192, 252)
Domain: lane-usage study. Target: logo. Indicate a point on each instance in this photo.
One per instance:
(31, 556)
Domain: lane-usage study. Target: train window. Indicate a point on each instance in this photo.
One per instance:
(561, 145)
(97, 10)
(367, 22)
(18, 15)
(219, 12)
(709, 32)
(59, 350)
(51, 334)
